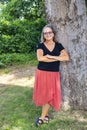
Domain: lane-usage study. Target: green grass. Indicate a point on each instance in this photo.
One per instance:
(18, 112)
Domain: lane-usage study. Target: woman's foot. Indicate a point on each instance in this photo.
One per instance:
(46, 119)
(39, 122)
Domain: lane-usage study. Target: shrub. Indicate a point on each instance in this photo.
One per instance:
(20, 36)
(17, 59)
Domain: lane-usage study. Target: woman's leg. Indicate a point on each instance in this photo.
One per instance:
(45, 109)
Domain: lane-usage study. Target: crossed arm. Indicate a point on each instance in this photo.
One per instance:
(48, 58)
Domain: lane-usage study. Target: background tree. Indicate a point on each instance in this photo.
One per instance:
(69, 20)
(21, 22)
(24, 9)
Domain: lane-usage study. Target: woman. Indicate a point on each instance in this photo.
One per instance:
(47, 91)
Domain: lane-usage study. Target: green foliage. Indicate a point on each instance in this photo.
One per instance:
(2, 65)
(17, 59)
(20, 36)
(26, 9)
(21, 23)
(86, 6)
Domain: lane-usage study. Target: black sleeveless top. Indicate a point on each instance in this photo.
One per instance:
(50, 66)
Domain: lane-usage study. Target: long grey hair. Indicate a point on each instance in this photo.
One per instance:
(42, 34)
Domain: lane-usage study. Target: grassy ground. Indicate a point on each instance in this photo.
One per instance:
(18, 112)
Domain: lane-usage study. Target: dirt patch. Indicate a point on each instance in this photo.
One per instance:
(23, 76)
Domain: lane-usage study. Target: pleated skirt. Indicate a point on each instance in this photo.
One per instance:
(47, 89)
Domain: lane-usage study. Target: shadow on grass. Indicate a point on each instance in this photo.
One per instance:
(18, 112)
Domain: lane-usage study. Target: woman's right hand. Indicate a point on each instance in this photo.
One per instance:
(49, 56)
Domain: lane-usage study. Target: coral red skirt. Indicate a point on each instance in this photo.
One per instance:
(47, 89)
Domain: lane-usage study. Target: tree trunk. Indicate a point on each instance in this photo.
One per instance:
(69, 20)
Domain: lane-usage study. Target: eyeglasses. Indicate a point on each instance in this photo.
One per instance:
(45, 33)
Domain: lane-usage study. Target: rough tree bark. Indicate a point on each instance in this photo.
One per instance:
(69, 20)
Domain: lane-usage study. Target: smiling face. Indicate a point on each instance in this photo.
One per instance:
(48, 34)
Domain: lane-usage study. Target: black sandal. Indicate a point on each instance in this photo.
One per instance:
(46, 119)
(39, 121)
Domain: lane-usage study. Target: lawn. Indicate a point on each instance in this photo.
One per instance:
(18, 112)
